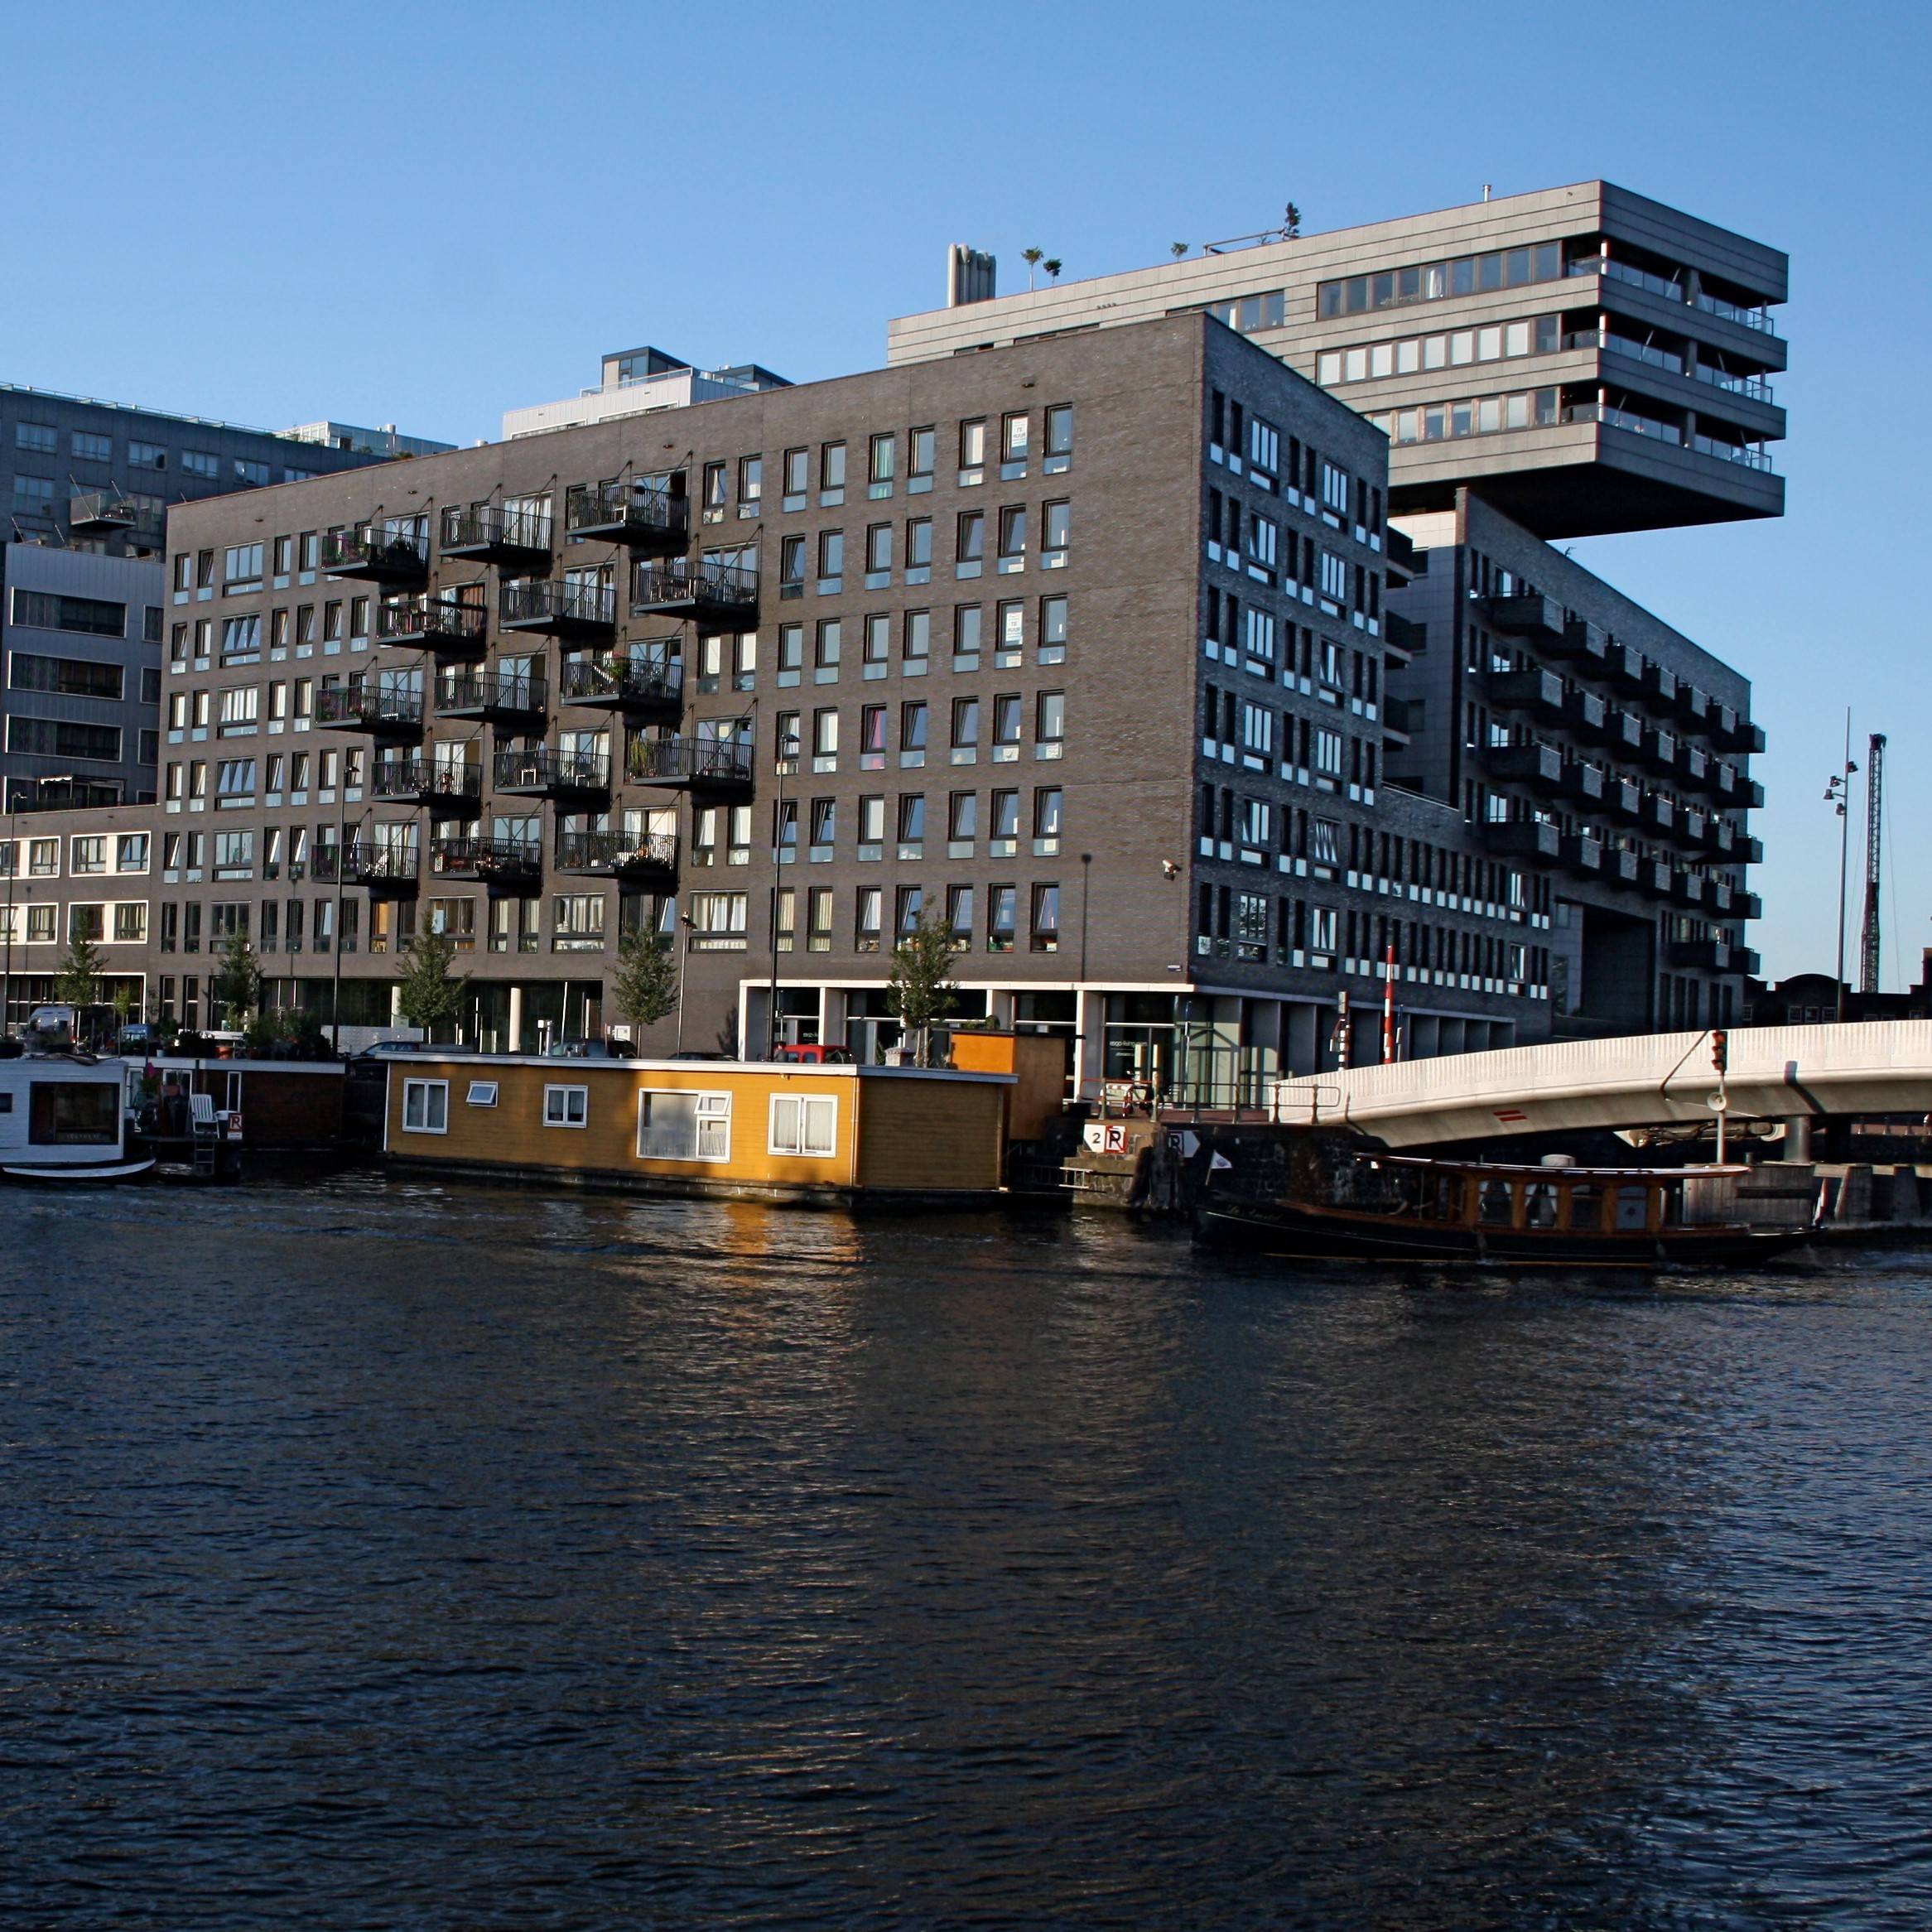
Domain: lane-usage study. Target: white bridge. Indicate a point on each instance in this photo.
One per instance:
(1776, 1073)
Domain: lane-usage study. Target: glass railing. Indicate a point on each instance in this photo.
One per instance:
(1749, 454)
(1658, 359)
(1758, 319)
(1671, 292)
(1752, 386)
(1642, 426)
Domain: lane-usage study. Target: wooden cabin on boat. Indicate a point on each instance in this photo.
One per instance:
(812, 1134)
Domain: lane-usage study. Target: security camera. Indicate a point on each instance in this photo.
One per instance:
(1170, 870)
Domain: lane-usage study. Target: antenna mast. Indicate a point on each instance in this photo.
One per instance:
(1874, 826)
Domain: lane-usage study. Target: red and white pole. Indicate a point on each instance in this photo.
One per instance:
(1389, 1004)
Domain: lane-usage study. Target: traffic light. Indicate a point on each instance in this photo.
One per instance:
(1721, 1050)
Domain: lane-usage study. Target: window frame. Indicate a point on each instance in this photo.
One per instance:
(804, 1103)
(413, 1087)
(563, 1092)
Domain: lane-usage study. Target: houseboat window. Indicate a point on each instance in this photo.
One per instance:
(1633, 1210)
(684, 1126)
(805, 1123)
(426, 1106)
(70, 1113)
(1492, 1204)
(1586, 1205)
(482, 1093)
(1540, 1204)
(566, 1106)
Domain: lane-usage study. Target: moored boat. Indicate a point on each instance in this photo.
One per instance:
(1329, 1200)
(64, 1118)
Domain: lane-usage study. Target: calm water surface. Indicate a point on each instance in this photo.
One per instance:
(388, 1555)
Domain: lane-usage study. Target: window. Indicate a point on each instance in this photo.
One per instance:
(1006, 727)
(969, 549)
(832, 473)
(912, 906)
(959, 915)
(877, 646)
(131, 851)
(1048, 802)
(717, 922)
(426, 1106)
(94, 617)
(55, 738)
(684, 1126)
(825, 741)
(1002, 903)
(831, 557)
(911, 739)
(878, 553)
(41, 437)
(966, 729)
(242, 566)
(566, 1106)
(69, 676)
(825, 656)
(200, 463)
(481, 1094)
(87, 852)
(1056, 526)
(882, 464)
(1046, 918)
(796, 478)
(972, 449)
(966, 623)
(871, 910)
(919, 454)
(1013, 442)
(1013, 537)
(806, 1124)
(919, 641)
(818, 931)
(576, 922)
(131, 921)
(87, 923)
(1050, 724)
(148, 455)
(750, 483)
(1059, 439)
(872, 738)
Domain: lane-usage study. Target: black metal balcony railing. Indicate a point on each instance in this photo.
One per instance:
(543, 771)
(396, 550)
(491, 694)
(490, 533)
(432, 622)
(503, 864)
(563, 607)
(679, 586)
(620, 683)
(384, 711)
(689, 761)
(626, 512)
(382, 864)
(619, 854)
(449, 790)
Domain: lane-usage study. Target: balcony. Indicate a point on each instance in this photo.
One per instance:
(1538, 617)
(1731, 733)
(517, 540)
(708, 593)
(436, 622)
(612, 681)
(1625, 665)
(1624, 729)
(1400, 552)
(1622, 867)
(569, 607)
(1749, 851)
(1658, 814)
(496, 697)
(1538, 765)
(393, 712)
(1623, 799)
(1712, 956)
(609, 854)
(1404, 632)
(1582, 782)
(101, 513)
(512, 866)
(1523, 838)
(1694, 706)
(1581, 639)
(1661, 749)
(388, 869)
(695, 762)
(1659, 685)
(1538, 692)
(394, 552)
(443, 791)
(647, 519)
(1747, 905)
(1692, 768)
(1587, 712)
(1582, 854)
(1687, 887)
(544, 772)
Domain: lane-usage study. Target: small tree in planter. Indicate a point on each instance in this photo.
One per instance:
(919, 984)
(78, 977)
(237, 988)
(645, 990)
(429, 997)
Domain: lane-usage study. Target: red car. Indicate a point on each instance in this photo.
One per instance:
(810, 1054)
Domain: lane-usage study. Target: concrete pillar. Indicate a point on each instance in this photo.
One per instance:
(1303, 1037)
(1797, 1138)
(1854, 1195)
(516, 1030)
(1090, 1014)
(1906, 1202)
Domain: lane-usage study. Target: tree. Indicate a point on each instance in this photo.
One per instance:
(78, 978)
(645, 990)
(1177, 249)
(1032, 258)
(1291, 223)
(919, 985)
(237, 986)
(1053, 265)
(429, 997)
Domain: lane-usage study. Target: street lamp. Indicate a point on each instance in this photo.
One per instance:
(1838, 792)
(684, 927)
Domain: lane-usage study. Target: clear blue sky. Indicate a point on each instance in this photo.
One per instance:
(422, 214)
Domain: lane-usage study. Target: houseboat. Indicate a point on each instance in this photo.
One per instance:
(824, 1135)
(64, 1116)
(1327, 1200)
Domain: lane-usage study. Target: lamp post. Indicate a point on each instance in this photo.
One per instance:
(13, 874)
(788, 750)
(335, 937)
(1837, 791)
(682, 929)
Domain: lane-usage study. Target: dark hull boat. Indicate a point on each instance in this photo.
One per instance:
(1331, 1201)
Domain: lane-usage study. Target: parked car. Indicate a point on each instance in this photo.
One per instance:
(587, 1050)
(813, 1053)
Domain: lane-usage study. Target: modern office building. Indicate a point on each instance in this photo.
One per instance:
(1586, 359)
(1080, 645)
(87, 486)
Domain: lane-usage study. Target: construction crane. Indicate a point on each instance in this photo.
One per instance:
(1874, 831)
